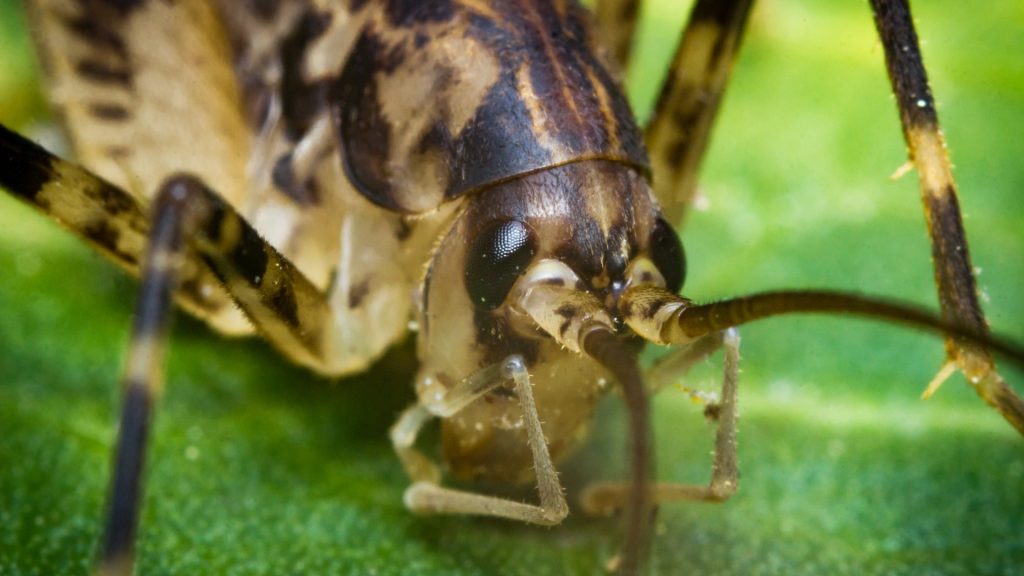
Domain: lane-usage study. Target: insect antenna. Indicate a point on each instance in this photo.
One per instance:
(606, 348)
(666, 318)
(709, 318)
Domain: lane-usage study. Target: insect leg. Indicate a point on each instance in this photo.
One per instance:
(108, 218)
(427, 496)
(294, 171)
(617, 21)
(403, 436)
(286, 308)
(678, 133)
(407, 428)
(672, 366)
(190, 220)
(604, 498)
(224, 253)
(174, 218)
(954, 275)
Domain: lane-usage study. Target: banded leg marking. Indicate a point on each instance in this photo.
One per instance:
(283, 304)
(108, 218)
(678, 134)
(189, 221)
(427, 496)
(954, 274)
(192, 248)
(174, 218)
(286, 308)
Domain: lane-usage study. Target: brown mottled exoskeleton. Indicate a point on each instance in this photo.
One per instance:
(306, 160)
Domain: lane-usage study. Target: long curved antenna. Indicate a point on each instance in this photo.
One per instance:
(665, 318)
(603, 345)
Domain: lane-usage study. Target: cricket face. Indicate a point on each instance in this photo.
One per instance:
(529, 268)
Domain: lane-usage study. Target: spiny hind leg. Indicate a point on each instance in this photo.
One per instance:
(191, 233)
(605, 498)
(426, 495)
(954, 274)
(224, 254)
(108, 218)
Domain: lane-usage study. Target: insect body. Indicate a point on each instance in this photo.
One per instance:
(550, 236)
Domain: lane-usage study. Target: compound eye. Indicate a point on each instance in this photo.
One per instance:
(496, 259)
(666, 252)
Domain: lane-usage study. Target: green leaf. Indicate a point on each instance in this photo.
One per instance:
(258, 467)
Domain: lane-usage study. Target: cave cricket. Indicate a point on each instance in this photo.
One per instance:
(322, 172)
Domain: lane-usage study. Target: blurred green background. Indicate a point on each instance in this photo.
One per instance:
(258, 467)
